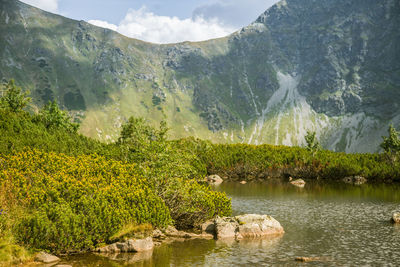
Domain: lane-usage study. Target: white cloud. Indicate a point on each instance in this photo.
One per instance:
(104, 24)
(48, 5)
(238, 13)
(147, 26)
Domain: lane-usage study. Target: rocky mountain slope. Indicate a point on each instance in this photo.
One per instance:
(332, 66)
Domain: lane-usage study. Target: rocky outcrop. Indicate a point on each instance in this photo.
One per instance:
(46, 258)
(214, 179)
(355, 180)
(336, 63)
(396, 218)
(246, 226)
(131, 245)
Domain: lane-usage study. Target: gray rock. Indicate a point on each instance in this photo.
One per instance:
(396, 218)
(214, 179)
(131, 245)
(298, 183)
(356, 180)
(172, 232)
(254, 225)
(46, 258)
(226, 227)
(310, 259)
(158, 234)
(248, 225)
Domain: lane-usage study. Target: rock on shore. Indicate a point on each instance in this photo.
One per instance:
(131, 245)
(245, 226)
(214, 179)
(46, 258)
(355, 180)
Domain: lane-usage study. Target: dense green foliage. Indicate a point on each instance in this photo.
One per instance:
(77, 202)
(65, 192)
(13, 98)
(312, 142)
(53, 117)
(391, 144)
(266, 161)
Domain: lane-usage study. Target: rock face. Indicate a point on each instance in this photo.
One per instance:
(246, 226)
(396, 218)
(46, 258)
(138, 245)
(298, 182)
(301, 65)
(356, 180)
(214, 179)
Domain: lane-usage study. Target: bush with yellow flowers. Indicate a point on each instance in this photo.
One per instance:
(74, 203)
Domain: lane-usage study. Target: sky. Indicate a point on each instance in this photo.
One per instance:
(162, 21)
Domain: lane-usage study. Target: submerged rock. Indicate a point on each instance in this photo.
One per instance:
(214, 179)
(46, 258)
(356, 180)
(298, 183)
(131, 245)
(396, 218)
(309, 259)
(245, 226)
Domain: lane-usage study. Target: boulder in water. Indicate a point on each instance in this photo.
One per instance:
(46, 257)
(137, 245)
(214, 179)
(298, 182)
(396, 217)
(245, 226)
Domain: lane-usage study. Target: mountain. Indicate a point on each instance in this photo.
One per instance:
(330, 66)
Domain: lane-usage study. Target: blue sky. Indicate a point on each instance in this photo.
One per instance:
(162, 21)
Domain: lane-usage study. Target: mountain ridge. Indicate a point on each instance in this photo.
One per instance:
(301, 65)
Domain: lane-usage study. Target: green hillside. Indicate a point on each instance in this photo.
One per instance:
(326, 67)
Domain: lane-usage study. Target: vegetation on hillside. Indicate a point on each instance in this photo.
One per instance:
(63, 192)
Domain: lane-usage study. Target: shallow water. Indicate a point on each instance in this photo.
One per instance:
(343, 225)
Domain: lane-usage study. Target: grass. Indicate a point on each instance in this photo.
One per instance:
(132, 230)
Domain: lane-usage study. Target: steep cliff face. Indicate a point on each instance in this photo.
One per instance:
(332, 66)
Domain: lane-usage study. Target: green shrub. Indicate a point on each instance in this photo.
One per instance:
(77, 202)
(192, 203)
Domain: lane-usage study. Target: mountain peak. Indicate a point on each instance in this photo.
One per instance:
(325, 66)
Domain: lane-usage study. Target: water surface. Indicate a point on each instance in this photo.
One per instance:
(342, 224)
